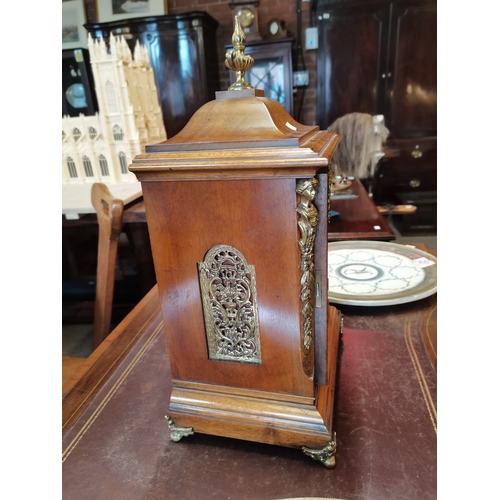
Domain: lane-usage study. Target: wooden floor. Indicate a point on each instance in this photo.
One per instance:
(70, 365)
(76, 347)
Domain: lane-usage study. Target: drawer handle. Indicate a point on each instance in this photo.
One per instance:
(415, 183)
(416, 153)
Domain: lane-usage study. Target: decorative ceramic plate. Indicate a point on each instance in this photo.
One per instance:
(377, 273)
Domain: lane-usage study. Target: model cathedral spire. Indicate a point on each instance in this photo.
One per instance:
(99, 148)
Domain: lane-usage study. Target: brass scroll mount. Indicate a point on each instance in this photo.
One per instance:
(237, 60)
(308, 220)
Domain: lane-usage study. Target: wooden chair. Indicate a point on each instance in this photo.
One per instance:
(110, 218)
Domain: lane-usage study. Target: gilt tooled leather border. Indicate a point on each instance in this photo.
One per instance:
(429, 403)
(74, 442)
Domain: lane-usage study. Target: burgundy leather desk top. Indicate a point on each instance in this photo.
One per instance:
(385, 422)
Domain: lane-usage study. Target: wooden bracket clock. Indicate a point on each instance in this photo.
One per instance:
(237, 206)
(248, 16)
(276, 28)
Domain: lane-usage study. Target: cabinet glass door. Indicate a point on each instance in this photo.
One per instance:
(269, 75)
(272, 69)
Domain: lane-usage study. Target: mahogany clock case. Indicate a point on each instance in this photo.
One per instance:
(238, 187)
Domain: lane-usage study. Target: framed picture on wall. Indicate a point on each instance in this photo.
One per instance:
(74, 35)
(114, 10)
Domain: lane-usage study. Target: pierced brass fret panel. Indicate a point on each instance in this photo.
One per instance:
(229, 297)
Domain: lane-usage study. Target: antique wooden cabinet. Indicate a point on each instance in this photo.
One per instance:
(78, 88)
(183, 54)
(236, 206)
(409, 166)
(380, 57)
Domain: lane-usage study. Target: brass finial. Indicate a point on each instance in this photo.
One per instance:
(237, 60)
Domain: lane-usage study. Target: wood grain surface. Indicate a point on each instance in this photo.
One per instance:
(358, 218)
(109, 210)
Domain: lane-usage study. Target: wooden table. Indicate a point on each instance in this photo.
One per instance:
(134, 221)
(134, 212)
(358, 219)
(116, 441)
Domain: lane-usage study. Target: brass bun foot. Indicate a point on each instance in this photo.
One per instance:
(177, 432)
(325, 455)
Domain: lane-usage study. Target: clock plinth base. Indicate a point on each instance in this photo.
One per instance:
(251, 415)
(294, 421)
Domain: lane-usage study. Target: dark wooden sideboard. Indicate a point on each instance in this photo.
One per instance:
(380, 57)
(183, 54)
(407, 175)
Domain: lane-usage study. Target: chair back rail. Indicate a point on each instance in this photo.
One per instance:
(109, 211)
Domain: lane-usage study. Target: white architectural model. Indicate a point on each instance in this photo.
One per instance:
(99, 148)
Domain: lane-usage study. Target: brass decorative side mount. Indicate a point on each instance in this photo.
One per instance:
(308, 221)
(237, 60)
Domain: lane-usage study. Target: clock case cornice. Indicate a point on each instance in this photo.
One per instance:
(260, 140)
